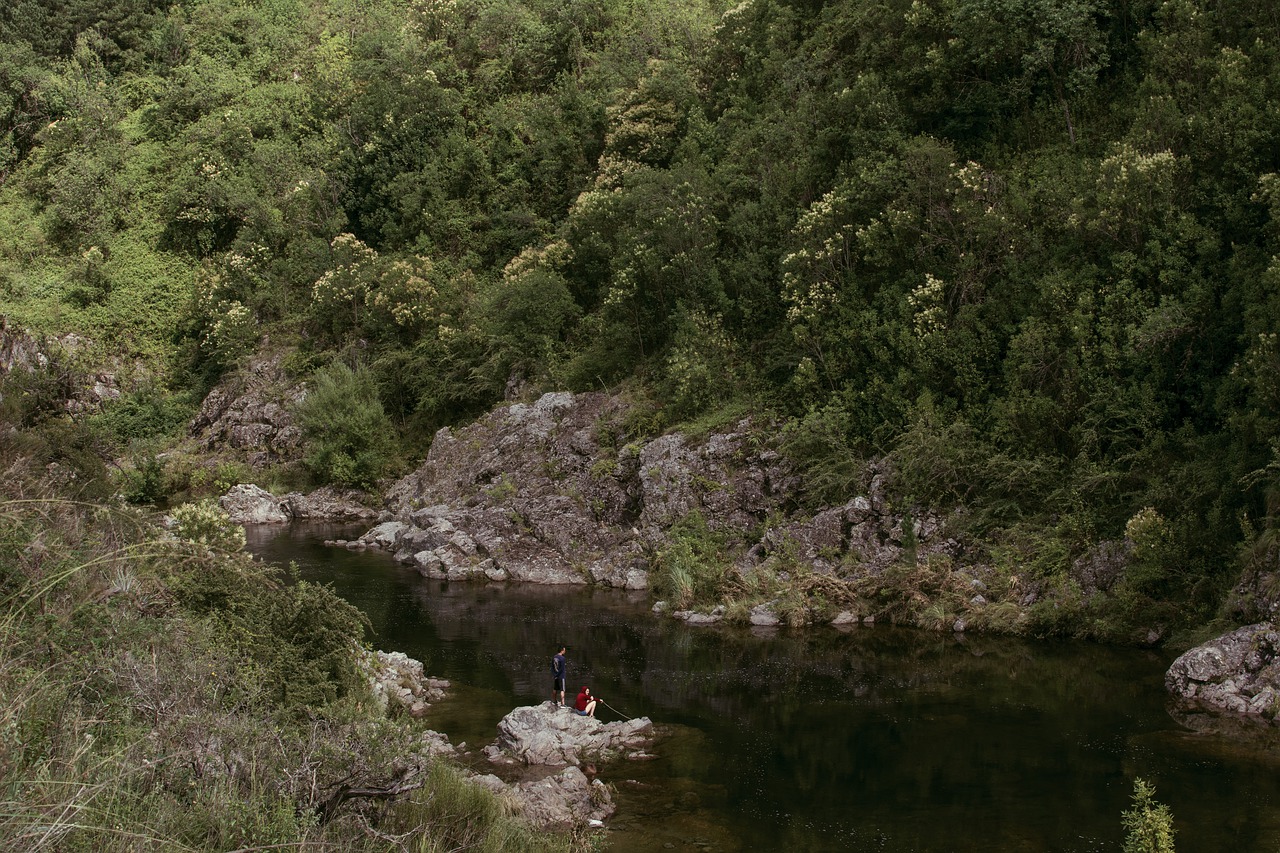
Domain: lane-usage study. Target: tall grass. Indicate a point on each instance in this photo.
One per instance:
(150, 704)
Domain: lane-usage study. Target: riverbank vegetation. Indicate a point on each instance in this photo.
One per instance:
(1024, 250)
(164, 693)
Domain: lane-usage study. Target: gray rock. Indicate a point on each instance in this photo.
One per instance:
(397, 681)
(249, 504)
(1102, 567)
(564, 801)
(698, 620)
(386, 535)
(329, 503)
(762, 614)
(21, 351)
(1237, 672)
(546, 734)
(251, 412)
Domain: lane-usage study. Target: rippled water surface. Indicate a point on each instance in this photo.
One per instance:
(822, 740)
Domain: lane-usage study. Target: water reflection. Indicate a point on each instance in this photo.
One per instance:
(871, 739)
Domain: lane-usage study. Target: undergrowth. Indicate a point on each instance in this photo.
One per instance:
(162, 693)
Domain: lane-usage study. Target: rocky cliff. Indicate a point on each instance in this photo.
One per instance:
(251, 412)
(557, 492)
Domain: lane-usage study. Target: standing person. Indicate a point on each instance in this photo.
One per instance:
(586, 703)
(559, 672)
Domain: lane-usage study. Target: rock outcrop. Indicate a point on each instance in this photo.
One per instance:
(554, 492)
(250, 504)
(88, 388)
(398, 681)
(251, 412)
(1238, 672)
(550, 735)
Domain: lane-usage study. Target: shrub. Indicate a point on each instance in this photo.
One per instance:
(819, 446)
(143, 414)
(146, 483)
(1148, 825)
(348, 435)
(205, 523)
(691, 567)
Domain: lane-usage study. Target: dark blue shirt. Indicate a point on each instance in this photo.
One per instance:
(559, 666)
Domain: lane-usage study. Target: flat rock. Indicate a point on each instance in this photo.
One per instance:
(549, 735)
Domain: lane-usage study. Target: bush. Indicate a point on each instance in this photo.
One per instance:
(205, 523)
(1148, 825)
(691, 567)
(146, 413)
(146, 483)
(348, 435)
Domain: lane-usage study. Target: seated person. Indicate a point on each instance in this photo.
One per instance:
(586, 703)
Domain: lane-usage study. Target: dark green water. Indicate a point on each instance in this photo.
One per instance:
(821, 740)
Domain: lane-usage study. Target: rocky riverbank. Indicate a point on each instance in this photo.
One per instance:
(548, 493)
(547, 755)
(553, 492)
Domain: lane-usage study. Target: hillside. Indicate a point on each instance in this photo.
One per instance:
(1023, 253)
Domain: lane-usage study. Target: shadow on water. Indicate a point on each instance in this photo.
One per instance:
(817, 740)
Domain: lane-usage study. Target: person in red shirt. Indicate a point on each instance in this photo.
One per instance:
(586, 703)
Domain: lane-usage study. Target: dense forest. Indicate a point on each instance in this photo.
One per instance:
(1025, 254)
(1025, 249)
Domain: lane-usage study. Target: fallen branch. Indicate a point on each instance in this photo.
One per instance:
(402, 783)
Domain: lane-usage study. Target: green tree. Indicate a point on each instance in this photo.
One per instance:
(348, 435)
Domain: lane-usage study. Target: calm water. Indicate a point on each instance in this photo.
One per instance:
(821, 740)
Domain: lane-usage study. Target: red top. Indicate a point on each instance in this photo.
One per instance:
(584, 696)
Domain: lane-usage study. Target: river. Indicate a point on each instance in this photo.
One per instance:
(873, 738)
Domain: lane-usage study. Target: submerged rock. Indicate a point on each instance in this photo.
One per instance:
(1238, 672)
(549, 735)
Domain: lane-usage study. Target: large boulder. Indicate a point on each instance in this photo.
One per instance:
(329, 503)
(1238, 672)
(548, 734)
(249, 504)
(563, 801)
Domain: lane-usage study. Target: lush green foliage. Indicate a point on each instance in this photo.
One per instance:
(348, 435)
(1148, 825)
(162, 695)
(1026, 249)
(691, 567)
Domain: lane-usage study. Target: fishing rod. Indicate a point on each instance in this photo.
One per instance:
(613, 709)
